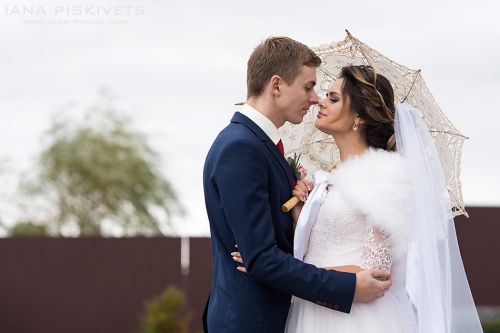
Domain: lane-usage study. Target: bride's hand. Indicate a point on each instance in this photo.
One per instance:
(303, 172)
(237, 257)
(302, 189)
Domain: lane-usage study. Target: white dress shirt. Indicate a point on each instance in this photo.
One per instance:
(262, 121)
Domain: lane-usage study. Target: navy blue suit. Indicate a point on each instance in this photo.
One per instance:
(246, 180)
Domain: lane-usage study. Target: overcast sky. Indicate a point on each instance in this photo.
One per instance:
(177, 68)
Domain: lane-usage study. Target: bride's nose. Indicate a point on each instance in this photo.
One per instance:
(321, 103)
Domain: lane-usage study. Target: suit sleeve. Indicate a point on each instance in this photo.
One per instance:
(243, 183)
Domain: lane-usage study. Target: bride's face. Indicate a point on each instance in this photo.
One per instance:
(334, 115)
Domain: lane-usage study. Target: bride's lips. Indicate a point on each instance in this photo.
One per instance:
(320, 114)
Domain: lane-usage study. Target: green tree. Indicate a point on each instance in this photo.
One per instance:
(102, 170)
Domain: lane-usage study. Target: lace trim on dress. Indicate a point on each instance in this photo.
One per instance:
(376, 252)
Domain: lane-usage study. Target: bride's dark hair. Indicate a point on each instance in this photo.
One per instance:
(371, 96)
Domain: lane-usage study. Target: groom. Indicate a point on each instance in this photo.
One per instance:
(246, 179)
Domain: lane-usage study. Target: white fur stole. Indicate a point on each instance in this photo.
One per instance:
(376, 183)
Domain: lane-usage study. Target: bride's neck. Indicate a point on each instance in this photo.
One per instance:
(350, 144)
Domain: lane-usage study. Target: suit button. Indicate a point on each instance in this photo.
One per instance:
(318, 302)
(336, 307)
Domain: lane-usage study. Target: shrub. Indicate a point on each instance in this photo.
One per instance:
(491, 326)
(166, 313)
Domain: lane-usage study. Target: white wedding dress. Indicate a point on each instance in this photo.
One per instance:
(363, 221)
(391, 211)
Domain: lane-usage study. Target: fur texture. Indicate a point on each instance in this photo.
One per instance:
(376, 183)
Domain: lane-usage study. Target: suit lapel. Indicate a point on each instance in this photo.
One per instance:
(271, 147)
(281, 161)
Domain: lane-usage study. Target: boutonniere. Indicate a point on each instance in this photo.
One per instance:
(300, 173)
(297, 169)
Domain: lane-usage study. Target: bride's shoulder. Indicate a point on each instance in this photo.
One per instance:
(374, 167)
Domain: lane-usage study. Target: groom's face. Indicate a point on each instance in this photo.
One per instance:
(296, 98)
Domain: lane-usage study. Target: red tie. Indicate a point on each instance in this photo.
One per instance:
(282, 151)
(280, 147)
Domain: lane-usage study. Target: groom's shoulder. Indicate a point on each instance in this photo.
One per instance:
(236, 131)
(236, 139)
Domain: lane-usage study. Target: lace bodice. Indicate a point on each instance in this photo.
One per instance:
(342, 236)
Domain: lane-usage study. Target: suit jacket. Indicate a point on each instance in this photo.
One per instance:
(246, 180)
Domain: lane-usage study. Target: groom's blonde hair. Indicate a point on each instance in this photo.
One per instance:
(280, 56)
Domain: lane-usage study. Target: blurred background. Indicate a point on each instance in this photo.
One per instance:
(108, 109)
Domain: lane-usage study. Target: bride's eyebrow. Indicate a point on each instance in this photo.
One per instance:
(332, 94)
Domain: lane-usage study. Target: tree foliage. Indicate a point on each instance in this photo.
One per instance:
(27, 228)
(100, 170)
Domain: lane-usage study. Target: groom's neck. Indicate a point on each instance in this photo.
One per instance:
(268, 109)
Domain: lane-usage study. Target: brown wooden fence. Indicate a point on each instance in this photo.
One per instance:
(99, 285)
(479, 240)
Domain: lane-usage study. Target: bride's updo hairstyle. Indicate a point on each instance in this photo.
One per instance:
(372, 98)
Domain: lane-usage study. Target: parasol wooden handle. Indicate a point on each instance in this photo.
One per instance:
(287, 206)
(293, 201)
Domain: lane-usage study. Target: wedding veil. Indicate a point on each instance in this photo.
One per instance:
(435, 278)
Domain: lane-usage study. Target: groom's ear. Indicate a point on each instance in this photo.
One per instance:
(275, 83)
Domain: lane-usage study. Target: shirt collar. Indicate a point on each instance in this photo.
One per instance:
(263, 122)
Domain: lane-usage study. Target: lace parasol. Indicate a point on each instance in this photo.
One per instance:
(318, 150)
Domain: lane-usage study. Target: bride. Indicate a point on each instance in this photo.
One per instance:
(384, 206)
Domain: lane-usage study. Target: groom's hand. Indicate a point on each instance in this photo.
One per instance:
(371, 284)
